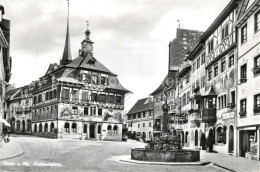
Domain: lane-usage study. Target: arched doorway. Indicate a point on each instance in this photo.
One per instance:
(40, 128)
(182, 138)
(23, 126)
(12, 124)
(18, 125)
(45, 127)
(210, 140)
(196, 138)
(52, 127)
(29, 125)
(92, 131)
(186, 136)
(35, 128)
(99, 129)
(231, 139)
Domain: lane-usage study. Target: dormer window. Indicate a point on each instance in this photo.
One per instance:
(92, 61)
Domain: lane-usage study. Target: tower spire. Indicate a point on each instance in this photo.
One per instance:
(66, 58)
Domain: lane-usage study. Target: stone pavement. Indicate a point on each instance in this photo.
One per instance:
(231, 163)
(10, 149)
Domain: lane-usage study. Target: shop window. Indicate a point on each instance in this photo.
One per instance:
(115, 129)
(74, 128)
(109, 129)
(221, 135)
(67, 127)
(244, 34)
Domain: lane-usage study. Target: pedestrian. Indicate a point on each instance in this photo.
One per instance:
(5, 137)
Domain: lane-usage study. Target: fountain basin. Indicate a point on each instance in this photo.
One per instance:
(185, 155)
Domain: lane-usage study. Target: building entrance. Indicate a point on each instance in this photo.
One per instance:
(231, 140)
(92, 131)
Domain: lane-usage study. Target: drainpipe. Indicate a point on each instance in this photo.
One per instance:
(236, 147)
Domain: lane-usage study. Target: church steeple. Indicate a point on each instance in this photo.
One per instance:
(66, 58)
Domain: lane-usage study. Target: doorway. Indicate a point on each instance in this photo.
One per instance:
(23, 126)
(92, 131)
(196, 137)
(231, 140)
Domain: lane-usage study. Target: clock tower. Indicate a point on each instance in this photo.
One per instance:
(87, 44)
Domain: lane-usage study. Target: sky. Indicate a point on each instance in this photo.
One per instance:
(131, 37)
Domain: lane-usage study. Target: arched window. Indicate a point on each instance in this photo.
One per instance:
(85, 128)
(29, 124)
(221, 135)
(74, 128)
(40, 128)
(115, 129)
(67, 127)
(109, 129)
(99, 129)
(18, 125)
(45, 127)
(52, 127)
(186, 136)
(35, 128)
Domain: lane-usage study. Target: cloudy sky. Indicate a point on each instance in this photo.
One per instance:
(131, 36)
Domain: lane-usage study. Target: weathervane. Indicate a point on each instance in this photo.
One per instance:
(87, 24)
(179, 23)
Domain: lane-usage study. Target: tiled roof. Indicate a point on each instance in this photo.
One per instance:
(115, 84)
(11, 93)
(161, 86)
(141, 106)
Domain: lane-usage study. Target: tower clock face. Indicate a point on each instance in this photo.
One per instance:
(89, 47)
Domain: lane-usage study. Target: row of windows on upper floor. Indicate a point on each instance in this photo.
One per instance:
(170, 94)
(139, 125)
(244, 30)
(244, 68)
(140, 115)
(223, 66)
(243, 106)
(73, 95)
(88, 110)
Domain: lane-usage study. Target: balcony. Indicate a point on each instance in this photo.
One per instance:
(208, 115)
(257, 108)
(243, 80)
(194, 116)
(231, 105)
(242, 113)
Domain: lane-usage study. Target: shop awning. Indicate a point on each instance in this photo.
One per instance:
(5, 122)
